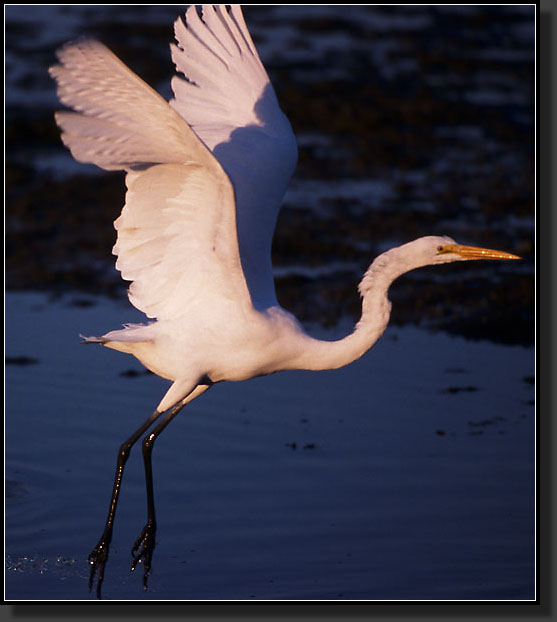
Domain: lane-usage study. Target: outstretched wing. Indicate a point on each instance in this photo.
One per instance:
(230, 103)
(177, 237)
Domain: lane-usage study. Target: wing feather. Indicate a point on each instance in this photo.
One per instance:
(221, 70)
(177, 238)
(175, 242)
(119, 119)
(234, 131)
(228, 100)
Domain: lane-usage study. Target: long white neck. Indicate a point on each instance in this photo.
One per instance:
(376, 310)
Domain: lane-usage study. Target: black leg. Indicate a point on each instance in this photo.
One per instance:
(144, 546)
(99, 554)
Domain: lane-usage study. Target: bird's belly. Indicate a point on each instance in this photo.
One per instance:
(244, 362)
(223, 350)
(250, 356)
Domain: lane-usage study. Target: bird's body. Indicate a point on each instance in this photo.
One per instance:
(220, 340)
(213, 347)
(205, 176)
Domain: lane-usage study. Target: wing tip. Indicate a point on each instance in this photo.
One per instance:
(77, 45)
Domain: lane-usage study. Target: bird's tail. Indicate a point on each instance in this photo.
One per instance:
(130, 333)
(87, 340)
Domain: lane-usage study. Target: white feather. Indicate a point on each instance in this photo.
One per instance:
(230, 103)
(186, 251)
(120, 122)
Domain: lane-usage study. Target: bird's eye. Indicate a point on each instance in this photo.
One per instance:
(440, 249)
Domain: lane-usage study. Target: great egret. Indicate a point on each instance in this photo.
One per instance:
(206, 173)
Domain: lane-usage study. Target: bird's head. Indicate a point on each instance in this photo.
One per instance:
(446, 250)
(433, 250)
(426, 251)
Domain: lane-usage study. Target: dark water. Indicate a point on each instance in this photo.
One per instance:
(408, 475)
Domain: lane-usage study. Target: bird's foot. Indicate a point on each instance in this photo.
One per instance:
(97, 560)
(142, 551)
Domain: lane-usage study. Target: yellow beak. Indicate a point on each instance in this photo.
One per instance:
(474, 252)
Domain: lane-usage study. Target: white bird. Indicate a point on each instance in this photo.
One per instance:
(205, 176)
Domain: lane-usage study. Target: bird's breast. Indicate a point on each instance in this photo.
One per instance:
(270, 343)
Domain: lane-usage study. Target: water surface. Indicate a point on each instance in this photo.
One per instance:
(407, 475)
